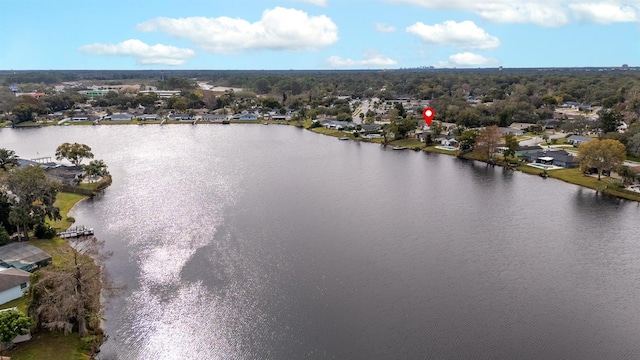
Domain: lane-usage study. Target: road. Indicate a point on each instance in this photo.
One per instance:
(538, 139)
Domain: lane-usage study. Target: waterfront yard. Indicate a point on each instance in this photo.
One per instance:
(46, 345)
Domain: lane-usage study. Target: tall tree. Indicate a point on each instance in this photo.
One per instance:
(32, 197)
(401, 127)
(512, 145)
(487, 142)
(602, 155)
(436, 128)
(628, 176)
(467, 139)
(75, 153)
(610, 119)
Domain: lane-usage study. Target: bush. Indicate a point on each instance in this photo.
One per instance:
(4, 236)
(71, 219)
(44, 231)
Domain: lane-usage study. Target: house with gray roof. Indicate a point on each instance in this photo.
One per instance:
(508, 130)
(560, 158)
(119, 117)
(13, 282)
(576, 140)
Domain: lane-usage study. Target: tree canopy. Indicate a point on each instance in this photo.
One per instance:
(75, 153)
(601, 155)
(12, 324)
(487, 142)
(31, 196)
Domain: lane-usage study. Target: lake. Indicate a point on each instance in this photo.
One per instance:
(272, 242)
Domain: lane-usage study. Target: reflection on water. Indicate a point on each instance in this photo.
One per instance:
(252, 242)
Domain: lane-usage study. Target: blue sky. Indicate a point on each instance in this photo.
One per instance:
(317, 34)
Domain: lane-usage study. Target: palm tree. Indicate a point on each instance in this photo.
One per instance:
(8, 159)
(95, 168)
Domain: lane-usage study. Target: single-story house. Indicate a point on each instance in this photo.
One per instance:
(23, 256)
(520, 126)
(180, 117)
(148, 117)
(214, 117)
(119, 117)
(449, 142)
(245, 117)
(507, 130)
(13, 282)
(522, 150)
(278, 117)
(369, 128)
(560, 158)
(576, 140)
(339, 125)
(550, 123)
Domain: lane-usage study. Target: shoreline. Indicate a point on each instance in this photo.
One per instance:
(607, 186)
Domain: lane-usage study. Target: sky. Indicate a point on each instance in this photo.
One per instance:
(317, 34)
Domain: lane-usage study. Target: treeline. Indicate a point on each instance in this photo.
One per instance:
(466, 97)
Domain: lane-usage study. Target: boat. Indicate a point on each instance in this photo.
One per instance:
(343, 138)
(398, 148)
(226, 122)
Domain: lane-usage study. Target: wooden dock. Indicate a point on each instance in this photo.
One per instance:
(76, 232)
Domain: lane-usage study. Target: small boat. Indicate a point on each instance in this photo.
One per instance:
(343, 138)
(226, 122)
(399, 148)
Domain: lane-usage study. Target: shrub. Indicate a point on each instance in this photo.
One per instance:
(44, 231)
(71, 219)
(4, 236)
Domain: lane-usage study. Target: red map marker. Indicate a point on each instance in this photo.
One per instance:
(428, 115)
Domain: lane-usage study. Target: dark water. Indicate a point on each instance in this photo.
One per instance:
(256, 242)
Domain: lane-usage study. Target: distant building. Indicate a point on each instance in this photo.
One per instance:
(162, 94)
(94, 93)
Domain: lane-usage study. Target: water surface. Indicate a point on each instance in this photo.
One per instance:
(256, 242)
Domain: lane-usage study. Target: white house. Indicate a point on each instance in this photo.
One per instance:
(13, 282)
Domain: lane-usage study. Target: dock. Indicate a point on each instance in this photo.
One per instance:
(76, 232)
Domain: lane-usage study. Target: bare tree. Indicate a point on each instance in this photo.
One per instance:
(487, 142)
(67, 297)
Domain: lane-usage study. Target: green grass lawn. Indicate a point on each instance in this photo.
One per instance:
(64, 202)
(331, 132)
(50, 345)
(408, 143)
(21, 304)
(607, 185)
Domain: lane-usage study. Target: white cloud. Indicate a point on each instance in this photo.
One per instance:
(381, 27)
(322, 3)
(371, 59)
(467, 59)
(549, 13)
(278, 29)
(465, 34)
(602, 13)
(143, 53)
